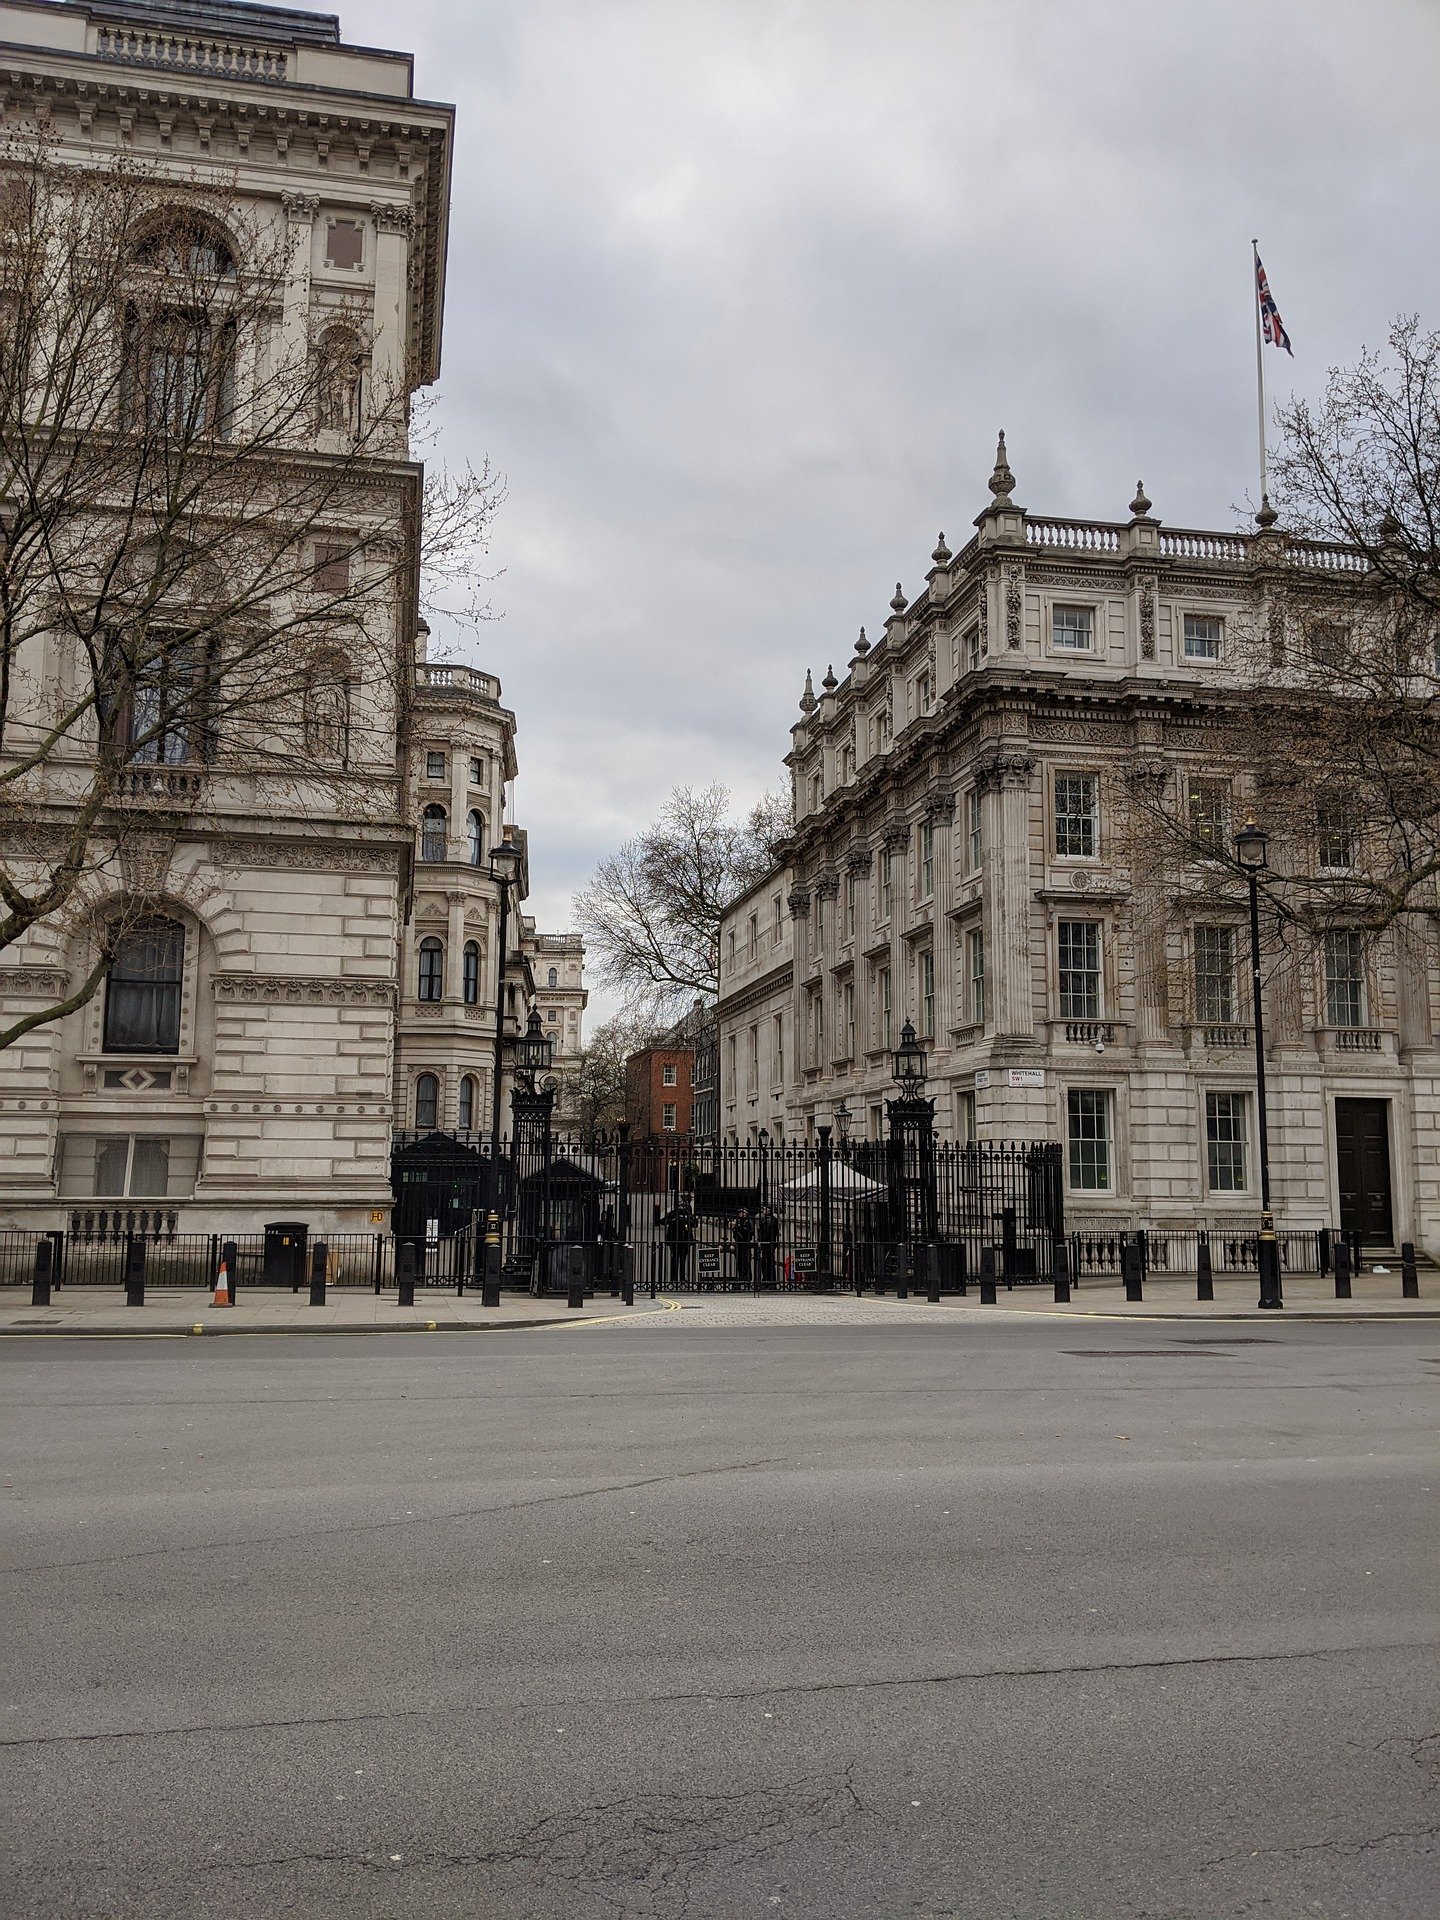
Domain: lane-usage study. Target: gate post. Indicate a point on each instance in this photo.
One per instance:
(1204, 1271)
(1342, 1267)
(1060, 1258)
(1409, 1278)
(987, 1276)
(925, 1257)
(405, 1265)
(490, 1290)
(319, 1258)
(1132, 1265)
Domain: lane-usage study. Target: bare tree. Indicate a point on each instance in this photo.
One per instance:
(595, 1089)
(1331, 722)
(208, 532)
(651, 913)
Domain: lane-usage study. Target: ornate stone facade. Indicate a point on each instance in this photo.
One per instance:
(970, 912)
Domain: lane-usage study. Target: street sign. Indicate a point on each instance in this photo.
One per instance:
(806, 1260)
(709, 1263)
(1027, 1076)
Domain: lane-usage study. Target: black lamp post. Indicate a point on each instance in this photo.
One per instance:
(532, 1105)
(505, 858)
(1250, 847)
(912, 1119)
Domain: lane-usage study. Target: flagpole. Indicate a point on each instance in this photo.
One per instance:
(1265, 517)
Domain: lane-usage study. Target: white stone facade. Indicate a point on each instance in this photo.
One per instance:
(304, 1028)
(938, 865)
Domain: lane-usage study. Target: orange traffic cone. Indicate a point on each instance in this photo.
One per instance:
(222, 1285)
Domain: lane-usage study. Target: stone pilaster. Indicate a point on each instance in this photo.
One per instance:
(1006, 781)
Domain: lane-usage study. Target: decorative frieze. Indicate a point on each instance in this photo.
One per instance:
(1014, 605)
(314, 856)
(1147, 616)
(284, 989)
(25, 983)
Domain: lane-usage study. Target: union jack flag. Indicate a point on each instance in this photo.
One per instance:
(1270, 321)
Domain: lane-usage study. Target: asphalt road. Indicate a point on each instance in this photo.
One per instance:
(712, 1619)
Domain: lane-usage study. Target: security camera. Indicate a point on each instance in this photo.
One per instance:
(1099, 1046)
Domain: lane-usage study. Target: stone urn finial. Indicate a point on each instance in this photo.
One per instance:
(829, 683)
(1140, 505)
(898, 602)
(942, 555)
(1002, 480)
(808, 702)
(862, 645)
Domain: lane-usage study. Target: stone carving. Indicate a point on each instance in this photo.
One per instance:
(298, 990)
(982, 615)
(1080, 732)
(940, 805)
(827, 886)
(858, 859)
(1101, 582)
(896, 835)
(47, 983)
(1005, 770)
(389, 219)
(300, 206)
(323, 856)
(145, 862)
(1014, 604)
(798, 902)
(1147, 617)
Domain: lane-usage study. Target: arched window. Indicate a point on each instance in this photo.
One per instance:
(427, 1103)
(432, 969)
(554, 979)
(475, 837)
(470, 973)
(467, 1103)
(432, 834)
(142, 991)
(179, 338)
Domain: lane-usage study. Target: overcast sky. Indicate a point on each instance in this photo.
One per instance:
(740, 291)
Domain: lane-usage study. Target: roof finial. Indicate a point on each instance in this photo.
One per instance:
(808, 702)
(862, 645)
(941, 553)
(829, 683)
(1002, 479)
(1140, 506)
(1267, 516)
(898, 603)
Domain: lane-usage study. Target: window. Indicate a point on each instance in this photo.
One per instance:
(132, 1168)
(331, 572)
(975, 968)
(1225, 1142)
(887, 884)
(883, 1009)
(344, 244)
(432, 834)
(851, 883)
(667, 1076)
(1336, 834)
(752, 1061)
(142, 991)
(779, 928)
(667, 1116)
(166, 720)
(474, 837)
(924, 694)
(731, 1079)
(1072, 629)
(1329, 643)
(477, 772)
(434, 766)
(849, 1008)
(752, 935)
(179, 377)
(965, 1114)
(1345, 979)
(1202, 635)
(432, 969)
(470, 974)
(972, 646)
(974, 832)
(552, 979)
(1215, 976)
(427, 1102)
(1210, 814)
(927, 992)
(466, 1113)
(1079, 969)
(730, 950)
(1077, 816)
(1087, 1122)
(777, 1051)
(927, 858)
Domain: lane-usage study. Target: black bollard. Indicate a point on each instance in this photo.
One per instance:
(231, 1259)
(134, 1272)
(1409, 1278)
(405, 1272)
(490, 1287)
(40, 1285)
(987, 1276)
(319, 1259)
(1062, 1274)
(1132, 1265)
(1342, 1267)
(1204, 1271)
(575, 1291)
(1322, 1250)
(627, 1273)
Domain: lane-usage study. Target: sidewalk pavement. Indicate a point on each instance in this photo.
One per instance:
(1307, 1296)
(173, 1311)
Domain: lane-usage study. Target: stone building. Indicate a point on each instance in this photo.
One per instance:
(957, 860)
(660, 1090)
(557, 965)
(307, 978)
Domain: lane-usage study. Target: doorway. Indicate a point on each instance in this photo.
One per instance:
(1362, 1167)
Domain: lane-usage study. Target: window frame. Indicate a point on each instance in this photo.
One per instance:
(1097, 1102)
(1356, 984)
(1202, 658)
(470, 974)
(430, 970)
(1218, 1146)
(1202, 981)
(434, 832)
(427, 1089)
(1089, 820)
(1095, 928)
(165, 991)
(1090, 609)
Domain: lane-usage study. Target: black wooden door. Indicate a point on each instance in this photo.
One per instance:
(1362, 1163)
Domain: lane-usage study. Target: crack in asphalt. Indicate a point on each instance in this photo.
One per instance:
(396, 1521)
(780, 1691)
(1351, 1847)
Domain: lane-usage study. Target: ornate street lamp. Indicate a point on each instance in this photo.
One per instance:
(909, 1064)
(534, 1051)
(842, 1121)
(1251, 843)
(914, 1198)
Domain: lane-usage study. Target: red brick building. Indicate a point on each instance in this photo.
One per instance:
(660, 1091)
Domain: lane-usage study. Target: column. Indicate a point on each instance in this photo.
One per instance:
(393, 228)
(1008, 892)
(301, 210)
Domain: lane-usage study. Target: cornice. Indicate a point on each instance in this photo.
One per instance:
(758, 990)
(283, 989)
